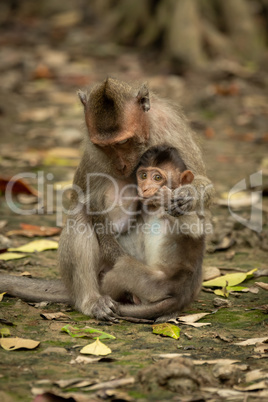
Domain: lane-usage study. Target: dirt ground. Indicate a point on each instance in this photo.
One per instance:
(41, 121)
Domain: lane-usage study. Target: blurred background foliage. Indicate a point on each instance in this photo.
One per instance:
(180, 34)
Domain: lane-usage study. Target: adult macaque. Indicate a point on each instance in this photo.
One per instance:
(163, 276)
(122, 123)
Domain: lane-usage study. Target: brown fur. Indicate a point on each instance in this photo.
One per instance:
(80, 257)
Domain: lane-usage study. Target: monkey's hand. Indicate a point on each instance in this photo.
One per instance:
(105, 309)
(182, 201)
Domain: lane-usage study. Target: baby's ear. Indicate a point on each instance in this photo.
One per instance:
(187, 177)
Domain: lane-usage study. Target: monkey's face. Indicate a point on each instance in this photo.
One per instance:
(125, 147)
(150, 180)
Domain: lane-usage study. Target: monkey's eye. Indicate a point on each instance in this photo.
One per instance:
(157, 177)
(122, 142)
(143, 176)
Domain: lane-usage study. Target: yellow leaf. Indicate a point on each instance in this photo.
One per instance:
(96, 348)
(18, 343)
(1, 296)
(4, 332)
(231, 279)
(221, 292)
(36, 246)
(11, 256)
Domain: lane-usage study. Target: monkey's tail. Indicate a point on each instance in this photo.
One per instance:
(35, 290)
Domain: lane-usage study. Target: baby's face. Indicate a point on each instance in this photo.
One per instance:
(150, 180)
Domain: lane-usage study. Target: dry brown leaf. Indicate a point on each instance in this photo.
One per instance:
(253, 387)
(252, 341)
(19, 186)
(32, 230)
(121, 382)
(210, 273)
(262, 285)
(216, 361)
(261, 348)
(55, 316)
(191, 318)
(255, 375)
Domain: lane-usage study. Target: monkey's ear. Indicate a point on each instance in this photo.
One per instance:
(83, 97)
(187, 177)
(143, 98)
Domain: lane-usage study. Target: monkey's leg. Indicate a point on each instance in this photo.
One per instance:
(80, 265)
(35, 290)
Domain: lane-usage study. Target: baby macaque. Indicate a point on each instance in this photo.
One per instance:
(163, 275)
(161, 166)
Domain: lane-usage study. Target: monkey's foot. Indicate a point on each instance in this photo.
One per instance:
(105, 309)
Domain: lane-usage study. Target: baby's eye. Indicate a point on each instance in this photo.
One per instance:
(143, 176)
(157, 177)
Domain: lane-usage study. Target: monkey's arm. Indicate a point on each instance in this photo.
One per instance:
(35, 290)
(197, 196)
(81, 263)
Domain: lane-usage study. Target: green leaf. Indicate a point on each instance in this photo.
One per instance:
(236, 288)
(229, 279)
(4, 332)
(86, 332)
(167, 329)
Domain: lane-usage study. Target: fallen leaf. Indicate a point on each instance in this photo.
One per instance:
(88, 332)
(1, 296)
(261, 348)
(2, 224)
(191, 318)
(36, 246)
(239, 199)
(75, 382)
(216, 361)
(262, 285)
(4, 332)
(192, 324)
(252, 341)
(59, 316)
(121, 382)
(170, 355)
(18, 343)
(96, 348)
(11, 256)
(230, 279)
(32, 230)
(26, 273)
(224, 244)
(167, 329)
(255, 375)
(19, 186)
(210, 273)
(90, 360)
(27, 199)
(252, 387)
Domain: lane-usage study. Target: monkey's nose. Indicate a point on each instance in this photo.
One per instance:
(121, 169)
